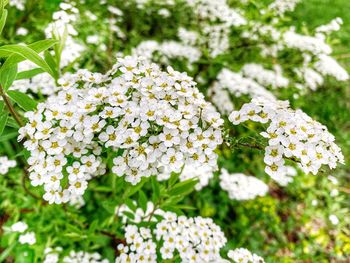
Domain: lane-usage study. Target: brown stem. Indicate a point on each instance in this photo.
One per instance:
(24, 176)
(10, 107)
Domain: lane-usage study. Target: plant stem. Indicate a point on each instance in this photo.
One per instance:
(10, 107)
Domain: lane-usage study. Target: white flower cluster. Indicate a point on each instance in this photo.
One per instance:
(203, 173)
(192, 239)
(52, 255)
(42, 83)
(304, 43)
(62, 25)
(216, 20)
(166, 51)
(139, 246)
(84, 257)
(6, 164)
(242, 187)
(229, 82)
(265, 77)
(290, 134)
(243, 255)
(283, 6)
(19, 4)
(195, 239)
(285, 178)
(24, 238)
(333, 25)
(154, 119)
(329, 66)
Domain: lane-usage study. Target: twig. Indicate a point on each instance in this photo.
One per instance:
(10, 107)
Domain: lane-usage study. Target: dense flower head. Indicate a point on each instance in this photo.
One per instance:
(243, 255)
(6, 164)
(196, 239)
(242, 187)
(193, 239)
(145, 118)
(84, 257)
(233, 83)
(291, 134)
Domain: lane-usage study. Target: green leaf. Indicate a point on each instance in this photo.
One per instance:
(25, 255)
(29, 73)
(183, 188)
(27, 53)
(2, 104)
(38, 47)
(51, 62)
(3, 121)
(155, 189)
(142, 200)
(8, 74)
(8, 136)
(8, 250)
(3, 20)
(23, 100)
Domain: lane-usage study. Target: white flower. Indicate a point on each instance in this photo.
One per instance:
(19, 227)
(28, 238)
(6, 164)
(242, 187)
(242, 255)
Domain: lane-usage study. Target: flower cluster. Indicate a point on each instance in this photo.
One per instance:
(290, 134)
(25, 237)
(192, 239)
(265, 77)
(82, 256)
(19, 4)
(62, 27)
(282, 6)
(231, 83)
(139, 246)
(242, 255)
(150, 119)
(167, 50)
(6, 164)
(242, 187)
(195, 239)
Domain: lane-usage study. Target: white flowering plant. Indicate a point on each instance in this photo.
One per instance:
(172, 131)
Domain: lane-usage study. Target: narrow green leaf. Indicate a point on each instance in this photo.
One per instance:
(27, 53)
(38, 47)
(7, 252)
(3, 20)
(183, 188)
(2, 103)
(51, 62)
(142, 200)
(155, 189)
(8, 136)
(3, 121)
(23, 100)
(29, 73)
(8, 74)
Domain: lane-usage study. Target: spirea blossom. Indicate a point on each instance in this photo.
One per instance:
(6, 164)
(19, 227)
(242, 187)
(27, 238)
(232, 83)
(329, 66)
(139, 246)
(84, 257)
(291, 134)
(265, 77)
(195, 239)
(242, 255)
(145, 118)
(282, 6)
